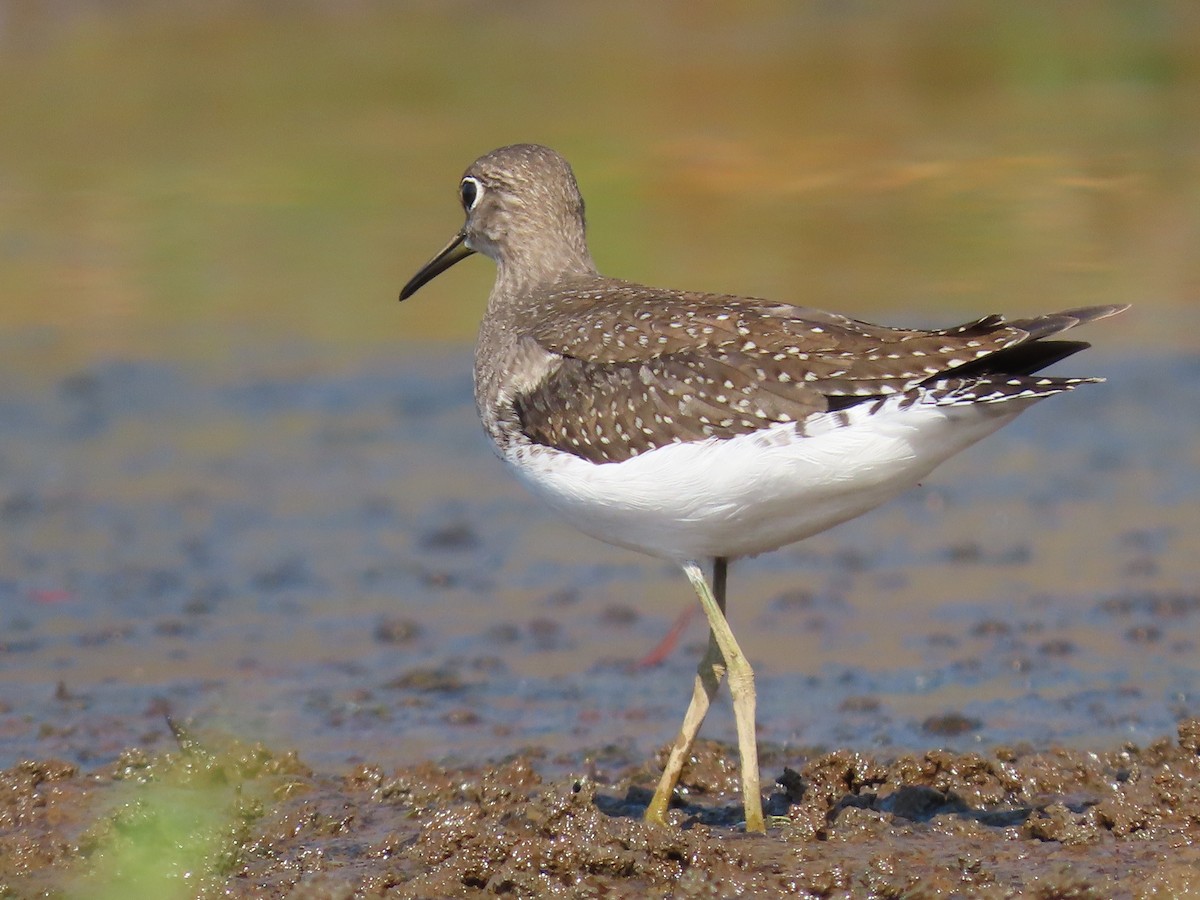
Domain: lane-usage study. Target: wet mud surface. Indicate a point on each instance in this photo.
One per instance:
(296, 633)
(222, 819)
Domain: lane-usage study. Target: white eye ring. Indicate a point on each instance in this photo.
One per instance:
(470, 191)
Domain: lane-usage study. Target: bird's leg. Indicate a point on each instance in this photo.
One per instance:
(722, 654)
(708, 678)
(741, 686)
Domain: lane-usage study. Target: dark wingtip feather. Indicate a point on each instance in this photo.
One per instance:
(1020, 359)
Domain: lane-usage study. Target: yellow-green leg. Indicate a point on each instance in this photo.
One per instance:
(722, 656)
(708, 679)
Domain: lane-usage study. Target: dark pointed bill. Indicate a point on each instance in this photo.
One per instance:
(453, 252)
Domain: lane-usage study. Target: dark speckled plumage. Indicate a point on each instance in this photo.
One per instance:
(641, 367)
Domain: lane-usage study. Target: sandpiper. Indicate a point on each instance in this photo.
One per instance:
(704, 427)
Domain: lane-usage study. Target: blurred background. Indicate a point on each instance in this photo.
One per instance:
(181, 179)
(226, 448)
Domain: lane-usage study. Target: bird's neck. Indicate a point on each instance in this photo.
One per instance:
(519, 275)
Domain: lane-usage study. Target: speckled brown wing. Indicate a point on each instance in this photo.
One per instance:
(642, 368)
(608, 412)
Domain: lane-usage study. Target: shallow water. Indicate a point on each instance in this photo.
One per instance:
(336, 563)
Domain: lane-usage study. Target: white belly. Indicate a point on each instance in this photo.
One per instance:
(756, 492)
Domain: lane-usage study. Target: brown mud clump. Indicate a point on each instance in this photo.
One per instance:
(221, 818)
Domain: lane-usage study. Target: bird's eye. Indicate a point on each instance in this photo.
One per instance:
(470, 191)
